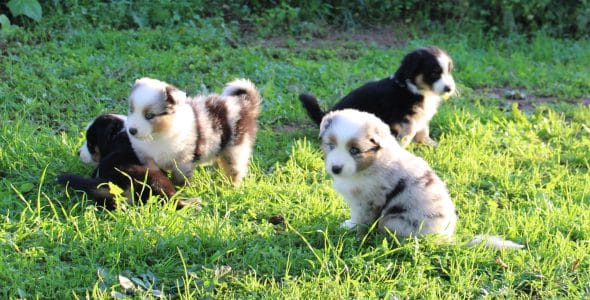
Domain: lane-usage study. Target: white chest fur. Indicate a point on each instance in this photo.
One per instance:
(429, 107)
(174, 146)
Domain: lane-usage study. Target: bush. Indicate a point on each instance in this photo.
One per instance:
(559, 18)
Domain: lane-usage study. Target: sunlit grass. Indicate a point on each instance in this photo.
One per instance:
(520, 174)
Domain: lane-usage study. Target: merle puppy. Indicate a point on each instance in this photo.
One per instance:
(406, 100)
(108, 147)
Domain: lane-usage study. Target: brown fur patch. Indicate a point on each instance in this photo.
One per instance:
(218, 113)
(420, 84)
(329, 140)
(427, 179)
(356, 191)
(169, 90)
(366, 156)
(161, 123)
(147, 109)
(247, 122)
(200, 137)
(96, 154)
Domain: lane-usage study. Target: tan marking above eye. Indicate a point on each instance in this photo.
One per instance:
(96, 154)
(354, 143)
(147, 109)
(332, 139)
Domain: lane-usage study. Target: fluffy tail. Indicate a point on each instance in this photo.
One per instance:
(494, 241)
(101, 195)
(311, 105)
(240, 87)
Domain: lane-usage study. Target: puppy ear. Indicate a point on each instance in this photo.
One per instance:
(174, 96)
(408, 67)
(325, 124)
(379, 135)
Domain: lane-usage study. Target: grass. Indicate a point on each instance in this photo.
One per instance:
(522, 174)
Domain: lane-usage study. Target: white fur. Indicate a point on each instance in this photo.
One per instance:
(84, 153)
(446, 78)
(494, 241)
(237, 84)
(174, 149)
(422, 206)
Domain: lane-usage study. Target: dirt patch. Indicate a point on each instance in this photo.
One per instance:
(525, 99)
(293, 127)
(386, 37)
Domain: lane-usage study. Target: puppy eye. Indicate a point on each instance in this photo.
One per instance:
(330, 146)
(149, 116)
(354, 150)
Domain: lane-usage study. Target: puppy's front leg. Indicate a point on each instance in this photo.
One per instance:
(181, 173)
(423, 137)
(361, 217)
(406, 131)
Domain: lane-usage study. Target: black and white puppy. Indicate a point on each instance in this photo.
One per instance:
(108, 148)
(406, 100)
(382, 182)
(178, 132)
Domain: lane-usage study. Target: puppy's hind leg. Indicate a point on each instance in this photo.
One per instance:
(181, 173)
(399, 225)
(234, 162)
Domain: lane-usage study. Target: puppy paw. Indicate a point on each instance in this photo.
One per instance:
(405, 141)
(348, 224)
(182, 203)
(428, 142)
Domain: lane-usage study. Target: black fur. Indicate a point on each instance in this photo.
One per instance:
(116, 158)
(399, 187)
(388, 98)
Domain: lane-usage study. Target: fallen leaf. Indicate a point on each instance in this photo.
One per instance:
(126, 283)
(575, 266)
(140, 283)
(501, 262)
(118, 295)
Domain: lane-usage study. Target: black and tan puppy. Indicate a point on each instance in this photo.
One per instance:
(108, 147)
(406, 100)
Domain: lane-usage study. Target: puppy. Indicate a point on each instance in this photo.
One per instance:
(382, 182)
(406, 101)
(108, 147)
(179, 132)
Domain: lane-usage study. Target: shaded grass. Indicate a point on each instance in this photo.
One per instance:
(523, 175)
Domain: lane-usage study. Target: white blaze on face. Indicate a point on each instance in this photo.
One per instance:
(146, 93)
(446, 79)
(344, 128)
(85, 155)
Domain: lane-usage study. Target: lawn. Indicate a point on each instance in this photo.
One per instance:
(514, 150)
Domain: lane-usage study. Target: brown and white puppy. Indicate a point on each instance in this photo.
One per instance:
(406, 100)
(178, 132)
(381, 182)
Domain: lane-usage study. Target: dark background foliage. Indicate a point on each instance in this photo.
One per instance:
(568, 18)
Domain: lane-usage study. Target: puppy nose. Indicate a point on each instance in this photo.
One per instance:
(133, 131)
(336, 169)
(447, 88)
